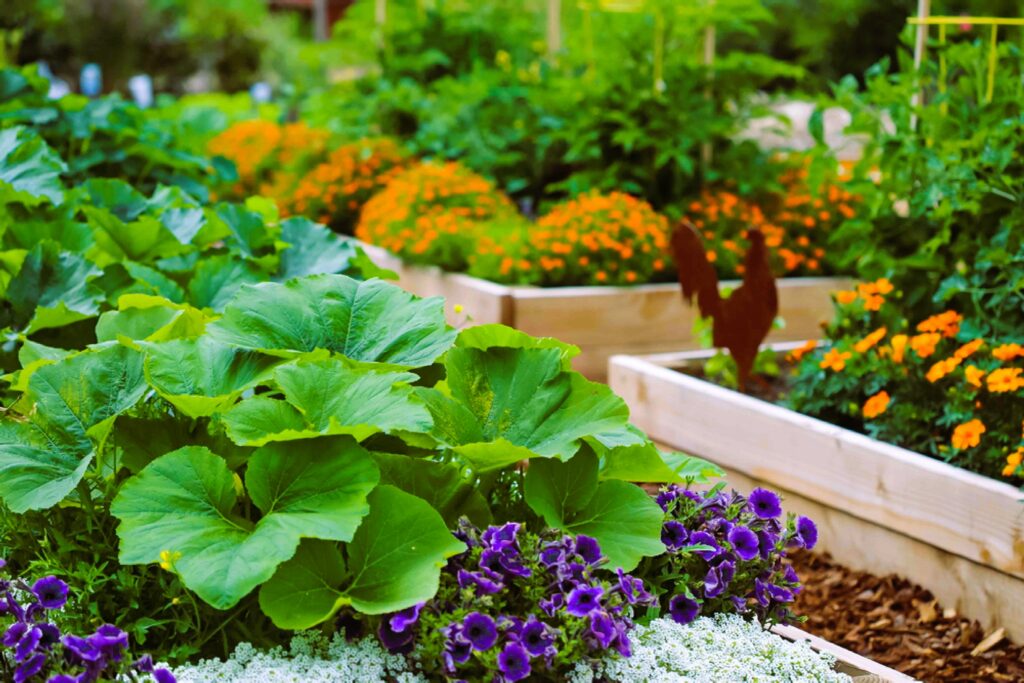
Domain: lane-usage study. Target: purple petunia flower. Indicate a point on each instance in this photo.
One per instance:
(589, 549)
(682, 609)
(479, 630)
(666, 497)
(633, 589)
(514, 662)
(551, 604)
(407, 618)
(164, 676)
(15, 633)
(460, 648)
(483, 583)
(110, 640)
(673, 534)
(764, 503)
(551, 555)
(62, 678)
(744, 542)
(51, 635)
(393, 640)
(713, 583)
(51, 592)
(807, 532)
(144, 664)
(622, 638)
(739, 603)
(766, 542)
(780, 594)
(501, 537)
(704, 538)
(583, 600)
(602, 628)
(30, 668)
(761, 592)
(5, 607)
(28, 644)
(537, 638)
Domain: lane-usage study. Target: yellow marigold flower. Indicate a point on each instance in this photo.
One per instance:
(899, 346)
(942, 368)
(968, 349)
(924, 344)
(974, 375)
(870, 340)
(1007, 352)
(876, 405)
(968, 434)
(798, 353)
(846, 296)
(834, 360)
(1005, 380)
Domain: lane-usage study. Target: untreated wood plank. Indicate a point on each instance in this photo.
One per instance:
(847, 662)
(956, 511)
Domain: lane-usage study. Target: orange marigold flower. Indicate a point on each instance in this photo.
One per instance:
(942, 368)
(924, 344)
(899, 346)
(1013, 461)
(974, 375)
(869, 341)
(846, 296)
(798, 353)
(968, 434)
(835, 360)
(947, 323)
(883, 286)
(1007, 352)
(873, 302)
(1005, 380)
(968, 349)
(876, 405)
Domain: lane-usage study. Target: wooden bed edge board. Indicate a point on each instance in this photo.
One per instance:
(841, 654)
(604, 291)
(390, 260)
(657, 371)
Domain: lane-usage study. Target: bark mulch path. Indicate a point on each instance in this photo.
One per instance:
(900, 625)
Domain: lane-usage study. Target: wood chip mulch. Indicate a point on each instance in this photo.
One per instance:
(900, 625)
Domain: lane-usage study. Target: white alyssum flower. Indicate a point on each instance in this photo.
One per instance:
(310, 659)
(712, 650)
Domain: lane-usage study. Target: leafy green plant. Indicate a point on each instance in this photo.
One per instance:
(323, 426)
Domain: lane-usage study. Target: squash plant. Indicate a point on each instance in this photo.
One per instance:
(317, 441)
(67, 254)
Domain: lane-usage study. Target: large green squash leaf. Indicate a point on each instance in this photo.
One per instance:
(29, 170)
(366, 321)
(523, 403)
(329, 397)
(217, 280)
(394, 562)
(143, 317)
(439, 483)
(312, 250)
(144, 240)
(185, 502)
(645, 463)
(202, 376)
(53, 289)
(623, 518)
(74, 402)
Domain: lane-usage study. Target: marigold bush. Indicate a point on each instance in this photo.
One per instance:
(334, 191)
(934, 386)
(796, 224)
(435, 214)
(259, 149)
(594, 239)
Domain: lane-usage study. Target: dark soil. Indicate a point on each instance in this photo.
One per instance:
(893, 622)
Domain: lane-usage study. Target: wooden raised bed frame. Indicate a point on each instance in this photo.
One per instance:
(860, 669)
(880, 508)
(602, 321)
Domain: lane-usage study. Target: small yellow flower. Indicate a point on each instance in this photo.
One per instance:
(168, 558)
(459, 308)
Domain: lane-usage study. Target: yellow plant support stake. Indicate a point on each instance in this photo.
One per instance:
(993, 55)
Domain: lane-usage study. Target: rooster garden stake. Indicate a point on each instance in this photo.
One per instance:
(740, 322)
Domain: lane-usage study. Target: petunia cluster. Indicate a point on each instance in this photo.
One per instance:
(34, 649)
(725, 554)
(518, 605)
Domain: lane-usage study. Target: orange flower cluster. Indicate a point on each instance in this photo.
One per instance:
(968, 434)
(435, 213)
(334, 191)
(261, 148)
(871, 294)
(876, 405)
(795, 225)
(594, 239)
(1013, 461)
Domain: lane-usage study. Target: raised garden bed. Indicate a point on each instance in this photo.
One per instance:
(602, 321)
(860, 669)
(883, 508)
